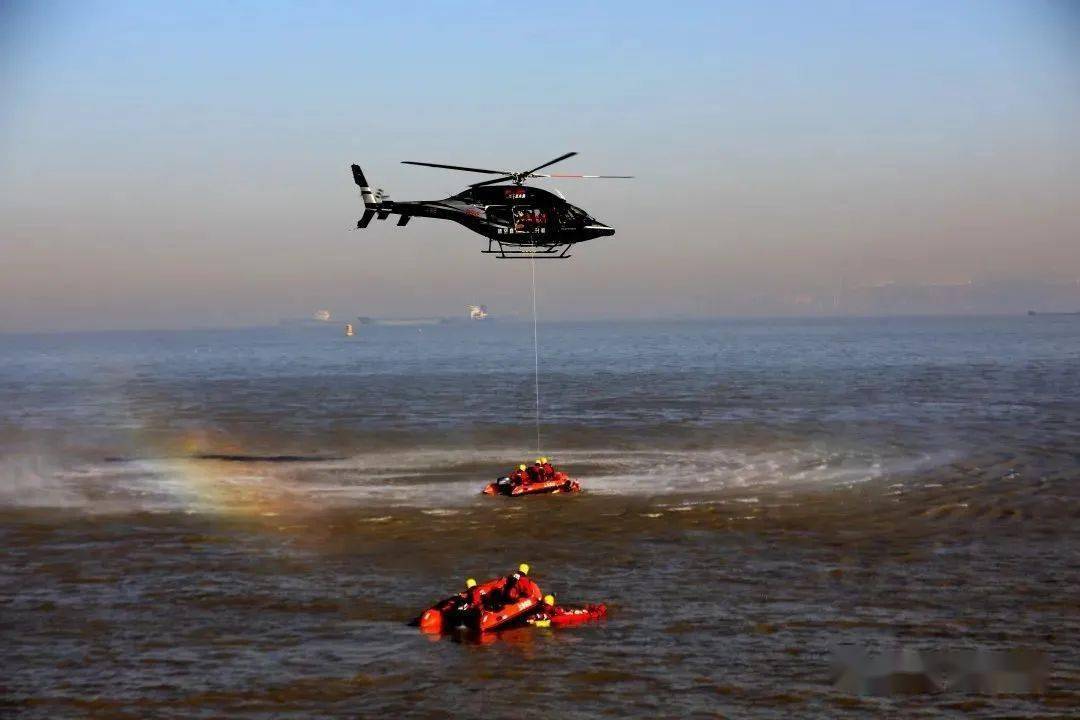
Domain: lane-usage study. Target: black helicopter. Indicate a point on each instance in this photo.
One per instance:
(518, 221)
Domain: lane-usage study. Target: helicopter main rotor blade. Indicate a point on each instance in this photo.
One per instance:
(492, 182)
(583, 176)
(455, 167)
(550, 162)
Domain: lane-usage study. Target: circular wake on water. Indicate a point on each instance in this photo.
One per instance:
(238, 483)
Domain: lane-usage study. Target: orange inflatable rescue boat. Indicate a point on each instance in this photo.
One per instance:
(487, 606)
(539, 478)
(500, 603)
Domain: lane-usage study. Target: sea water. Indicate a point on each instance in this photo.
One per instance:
(240, 522)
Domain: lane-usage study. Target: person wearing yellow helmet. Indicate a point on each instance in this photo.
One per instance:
(519, 476)
(547, 472)
(475, 594)
(519, 585)
(542, 618)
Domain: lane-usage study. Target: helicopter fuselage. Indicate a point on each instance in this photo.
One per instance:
(511, 215)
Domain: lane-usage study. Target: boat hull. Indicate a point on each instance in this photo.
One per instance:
(561, 483)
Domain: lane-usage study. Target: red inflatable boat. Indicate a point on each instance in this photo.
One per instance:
(484, 608)
(574, 616)
(560, 615)
(463, 610)
(560, 483)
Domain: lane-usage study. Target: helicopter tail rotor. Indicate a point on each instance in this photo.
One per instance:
(372, 197)
(365, 189)
(377, 202)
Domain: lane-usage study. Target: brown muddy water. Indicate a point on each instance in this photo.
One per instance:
(248, 535)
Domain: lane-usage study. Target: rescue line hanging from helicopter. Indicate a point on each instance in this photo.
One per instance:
(518, 221)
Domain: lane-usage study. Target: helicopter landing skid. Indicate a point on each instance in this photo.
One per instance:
(539, 252)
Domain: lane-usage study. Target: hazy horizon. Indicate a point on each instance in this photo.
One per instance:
(175, 166)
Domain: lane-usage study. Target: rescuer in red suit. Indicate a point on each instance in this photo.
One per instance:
(519, 586)
(520, 476)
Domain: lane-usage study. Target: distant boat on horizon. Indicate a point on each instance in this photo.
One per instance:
(319, 317)
(1033, 312)
(364, 320)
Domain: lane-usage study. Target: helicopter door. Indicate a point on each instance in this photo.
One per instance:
(500, 215)
(530, 220)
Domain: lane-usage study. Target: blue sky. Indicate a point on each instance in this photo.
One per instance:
(175, 164)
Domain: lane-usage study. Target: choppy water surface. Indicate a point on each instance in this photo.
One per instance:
(240, 523)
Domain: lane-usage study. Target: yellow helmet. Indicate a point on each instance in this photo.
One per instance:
(521, 466)
(543, 461)
(523, 568)
(470, 583)
(549, 599)
(539, 461)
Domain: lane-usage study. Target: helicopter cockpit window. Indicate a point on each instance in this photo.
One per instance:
(570, 216)
(585, 217)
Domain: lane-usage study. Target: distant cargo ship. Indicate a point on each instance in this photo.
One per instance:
(474, 312)
(362, 320)
(318, 318)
